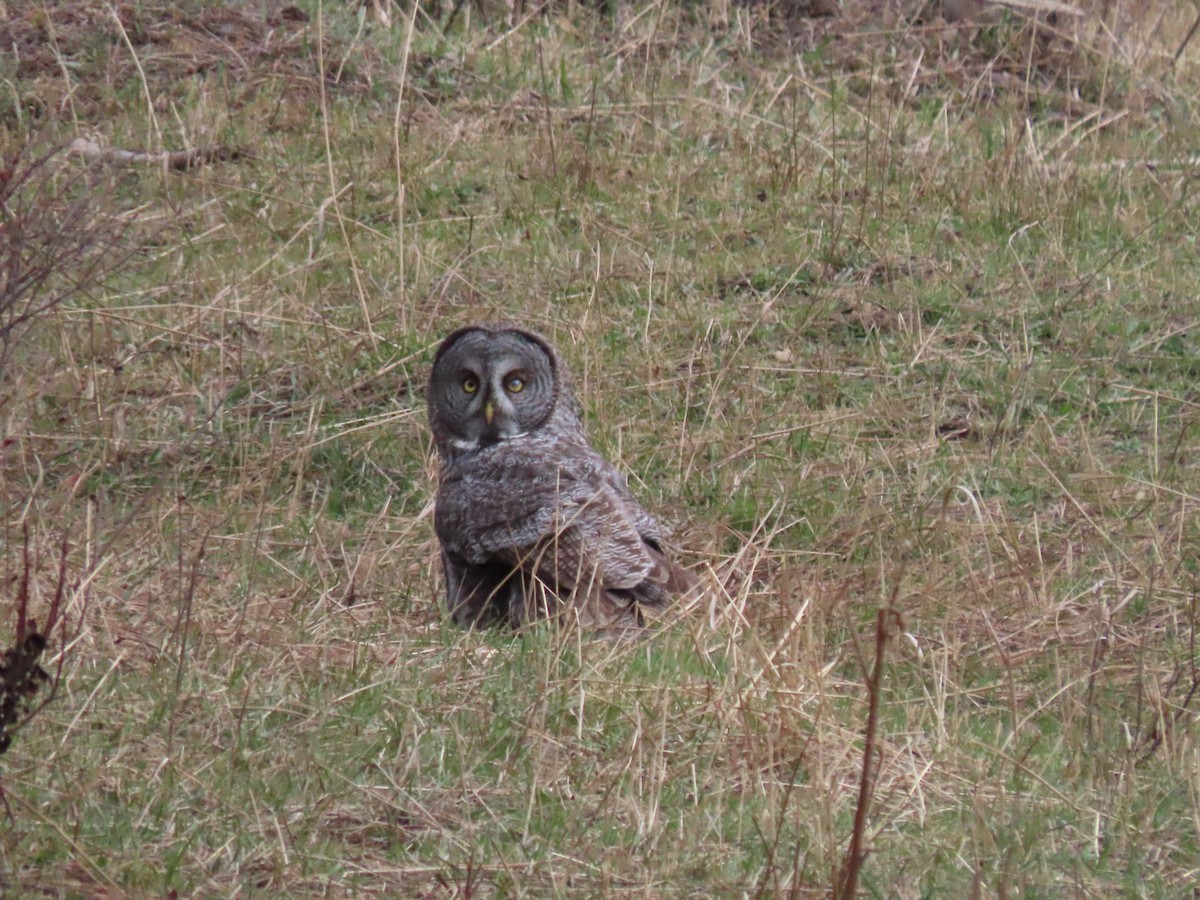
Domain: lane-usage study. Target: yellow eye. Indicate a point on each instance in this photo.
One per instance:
(515, 384)
(470, 384)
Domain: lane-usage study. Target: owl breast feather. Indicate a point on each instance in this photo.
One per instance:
(515, 496)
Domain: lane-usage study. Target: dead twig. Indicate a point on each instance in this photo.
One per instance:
(173, 160)
(887, 623)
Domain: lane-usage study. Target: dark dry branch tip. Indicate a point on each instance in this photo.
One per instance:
(887, 623)
(21, 674)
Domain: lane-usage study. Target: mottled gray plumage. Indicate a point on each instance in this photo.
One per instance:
(532, 521)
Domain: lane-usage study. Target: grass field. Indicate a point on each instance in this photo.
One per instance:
(875, 313)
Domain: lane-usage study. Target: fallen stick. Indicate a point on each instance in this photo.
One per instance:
(175, 160)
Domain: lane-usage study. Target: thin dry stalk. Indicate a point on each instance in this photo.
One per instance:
(1187, 39)
(398, 157)
(183, 624)
(546, 108)
(887, 623)
(334, 190)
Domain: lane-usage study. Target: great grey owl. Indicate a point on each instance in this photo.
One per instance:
(534, 523)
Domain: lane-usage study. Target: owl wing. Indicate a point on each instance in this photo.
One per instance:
(598, 557)
(560, 514)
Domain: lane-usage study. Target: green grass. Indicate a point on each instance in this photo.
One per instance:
(909, 314)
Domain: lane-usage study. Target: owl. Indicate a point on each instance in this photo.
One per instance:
(533, 523)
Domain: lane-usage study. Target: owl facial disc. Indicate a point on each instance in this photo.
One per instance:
(489, 386)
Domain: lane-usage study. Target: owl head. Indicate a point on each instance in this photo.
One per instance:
(491, 383)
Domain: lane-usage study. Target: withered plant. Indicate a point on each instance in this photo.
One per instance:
(22, 677)
(59, 240)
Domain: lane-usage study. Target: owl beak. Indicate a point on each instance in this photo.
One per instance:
(489, 412)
